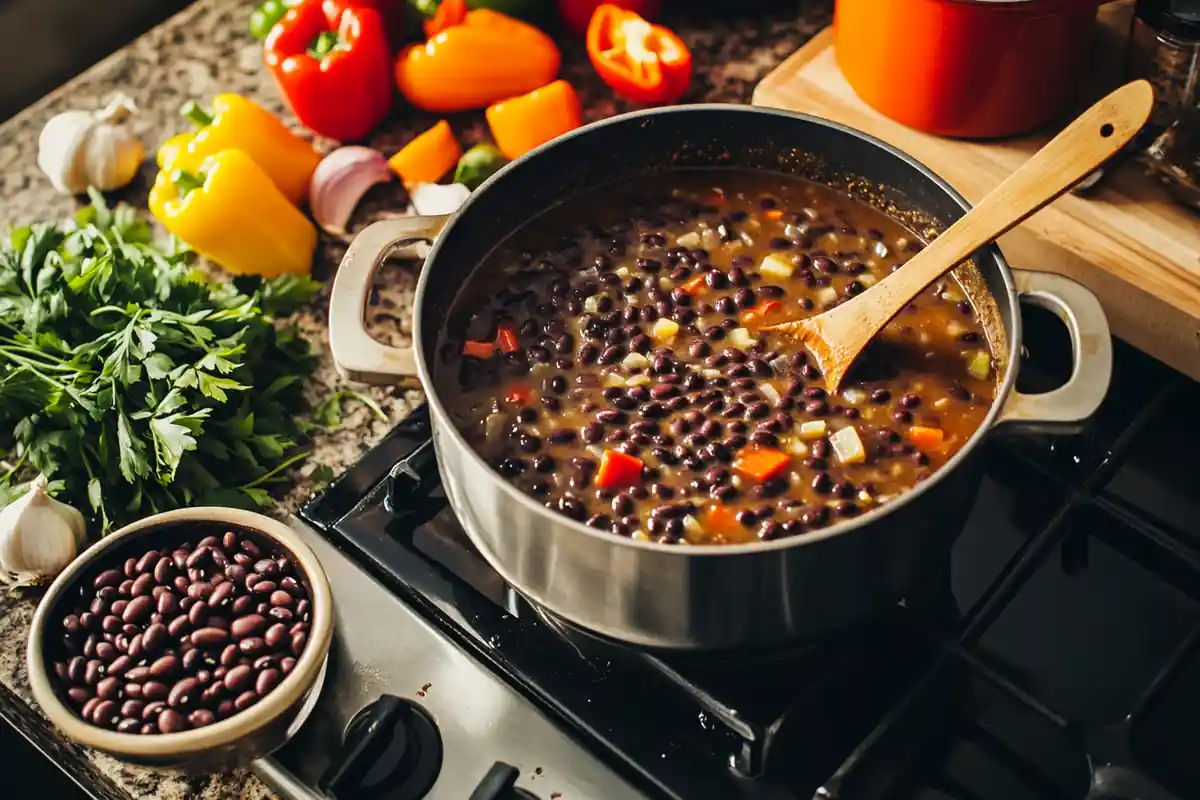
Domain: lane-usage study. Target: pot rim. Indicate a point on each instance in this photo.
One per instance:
(192, 743)
(442, 418)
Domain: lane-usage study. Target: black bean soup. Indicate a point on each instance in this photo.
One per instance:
(618, 370)
(168, 639)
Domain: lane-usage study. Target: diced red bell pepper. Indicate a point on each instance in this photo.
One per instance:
(506, 340)
(518, 395)
(618, 469)
(642, 62)
(695, 286)
(758, 314)
(332, 65)
(477, 349)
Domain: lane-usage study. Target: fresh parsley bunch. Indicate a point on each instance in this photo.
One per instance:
(136, 384)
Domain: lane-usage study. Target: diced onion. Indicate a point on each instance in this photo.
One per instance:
(854, 396)
(769, 392)
(864, 496)
(868, 279)
(848, 447)
(638, 380)
(941, 403)
(690, 239)
(826, 295)
(812, 430)
(740, 337)
(664, 330)
(692, 525)
(623, 273)
(596, 450)
(979, 364)
(494, 426)
(636, 361)
(777, 267)
(591, 305)
(709, 372)
(795, 446)
(881, 249)
(613, 379)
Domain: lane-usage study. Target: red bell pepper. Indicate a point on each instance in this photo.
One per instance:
(576, 14)
(642, 62)
(332, 66)
(618, 469)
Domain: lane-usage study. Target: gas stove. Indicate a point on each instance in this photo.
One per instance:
(1057, 658)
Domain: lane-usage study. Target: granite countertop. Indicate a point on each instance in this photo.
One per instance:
(205, 50)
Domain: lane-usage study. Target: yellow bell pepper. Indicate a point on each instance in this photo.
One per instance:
(240, 124)
(231, 213)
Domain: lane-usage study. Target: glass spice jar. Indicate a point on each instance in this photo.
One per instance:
(1175, 156)
(1164, 48)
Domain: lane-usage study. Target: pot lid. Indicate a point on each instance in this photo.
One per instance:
(1177, 17)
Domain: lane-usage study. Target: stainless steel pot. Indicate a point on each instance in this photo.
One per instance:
(715, 597)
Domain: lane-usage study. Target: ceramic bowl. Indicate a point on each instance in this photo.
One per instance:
(232, 742)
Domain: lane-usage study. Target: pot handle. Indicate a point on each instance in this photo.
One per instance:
(1065, 409)
(356, 354)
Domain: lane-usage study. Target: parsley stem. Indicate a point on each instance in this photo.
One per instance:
(286, 463)
(12, 468)
(23, 360)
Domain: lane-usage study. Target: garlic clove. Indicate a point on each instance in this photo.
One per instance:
(39, 536)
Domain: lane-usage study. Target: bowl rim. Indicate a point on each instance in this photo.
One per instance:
(219, 734)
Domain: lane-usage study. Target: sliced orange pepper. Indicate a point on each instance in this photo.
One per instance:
(506, 339)
(520, 124)
(758, 314)
(618, 469)
(926, 439)
(774, 214)
(478, 349)
(428, 157)
(695, 286)
(761, 463)
(518, 395)
(449, 13)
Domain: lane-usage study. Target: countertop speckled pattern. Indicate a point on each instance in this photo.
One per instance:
(205, 50)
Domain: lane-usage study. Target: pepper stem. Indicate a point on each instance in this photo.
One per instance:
(187, 182)
(426, 8)
(323, 44)
(196, 113)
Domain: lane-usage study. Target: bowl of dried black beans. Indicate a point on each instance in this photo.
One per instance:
(193, 640)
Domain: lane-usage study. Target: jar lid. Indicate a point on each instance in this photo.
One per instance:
(1177, 17)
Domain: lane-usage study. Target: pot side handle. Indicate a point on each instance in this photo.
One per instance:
(357, 355)
(1067, 408)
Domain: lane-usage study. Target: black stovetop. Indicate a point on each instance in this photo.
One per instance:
(1060, 657)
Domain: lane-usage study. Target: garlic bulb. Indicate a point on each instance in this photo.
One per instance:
(78, 149)
(39, 536)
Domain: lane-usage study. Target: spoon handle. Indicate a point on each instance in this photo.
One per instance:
(1083, 145)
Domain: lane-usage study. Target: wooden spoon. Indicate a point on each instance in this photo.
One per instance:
(837, 337)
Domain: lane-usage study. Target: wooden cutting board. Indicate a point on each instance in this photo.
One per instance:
(1126, 240)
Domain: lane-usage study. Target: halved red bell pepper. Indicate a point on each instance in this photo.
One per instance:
(332, 66)
(641, 61)
(576, 14)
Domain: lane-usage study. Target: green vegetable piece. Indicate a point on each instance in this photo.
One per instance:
(266, 15)
(478, 164)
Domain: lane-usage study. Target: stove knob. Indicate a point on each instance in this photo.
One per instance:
(500, 784)
(391, 751)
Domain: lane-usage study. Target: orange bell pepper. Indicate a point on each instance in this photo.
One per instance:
(695, 286)
(477, 349)
(641, 61)
(427, 157)
(758, 314)
(760, 463)
(448, 14)
(722, 520)
(483, 60)
(926, 439)
(520, 124)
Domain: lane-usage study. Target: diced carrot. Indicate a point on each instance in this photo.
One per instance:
(427, 157)
(758, 314)
(695, 286)
(761, 463)
(506, 339)
(478, 349)
(618, 469)
(722, 519)
(518, 395)
(774, 214)
(926, 439)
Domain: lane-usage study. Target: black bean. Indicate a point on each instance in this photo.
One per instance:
(880, 396)
(910, 401)
(816, 408)
(902, 417)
